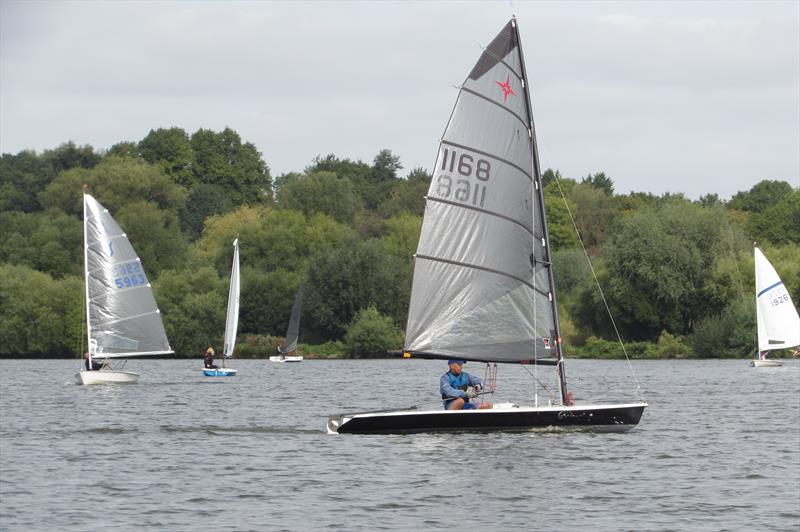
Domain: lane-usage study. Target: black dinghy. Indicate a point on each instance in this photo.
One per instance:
(483, 279)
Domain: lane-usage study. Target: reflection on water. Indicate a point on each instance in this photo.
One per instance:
(719, 448)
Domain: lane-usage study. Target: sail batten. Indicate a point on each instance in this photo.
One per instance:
(489, 100)
(484, 211)
(487, 154)
(476, 267)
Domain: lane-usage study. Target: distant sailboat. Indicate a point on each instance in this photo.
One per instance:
(776, 315)
(231, 320)
(292, 333)
(483, 285)
(122, 317)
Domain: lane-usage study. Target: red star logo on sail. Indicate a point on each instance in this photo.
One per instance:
(506, 88)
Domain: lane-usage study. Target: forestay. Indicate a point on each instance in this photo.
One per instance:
(778, 322)
(122, 313)
(232, 320)
(482, 287)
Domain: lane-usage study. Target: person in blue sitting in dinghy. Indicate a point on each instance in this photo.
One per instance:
(458, 387)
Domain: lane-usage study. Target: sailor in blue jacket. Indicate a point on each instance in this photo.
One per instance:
(458, 387)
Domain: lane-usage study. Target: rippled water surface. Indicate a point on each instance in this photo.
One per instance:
(718, 449)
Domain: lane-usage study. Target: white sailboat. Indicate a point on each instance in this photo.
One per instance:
(776, 316)
(122, 317)
(231, 320)
(292, 332)
(483, 285)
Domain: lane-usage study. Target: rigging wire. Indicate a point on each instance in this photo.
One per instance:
(535, 378)
(638, 389)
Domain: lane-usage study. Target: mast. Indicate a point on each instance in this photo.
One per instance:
(86, 279)
(539, 201)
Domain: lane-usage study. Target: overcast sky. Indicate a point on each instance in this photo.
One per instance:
(686, 97)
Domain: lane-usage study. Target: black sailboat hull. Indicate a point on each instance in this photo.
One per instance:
(511, 418)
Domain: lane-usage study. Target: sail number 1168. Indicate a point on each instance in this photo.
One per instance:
(462, 189)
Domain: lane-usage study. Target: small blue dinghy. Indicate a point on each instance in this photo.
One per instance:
(219, 372)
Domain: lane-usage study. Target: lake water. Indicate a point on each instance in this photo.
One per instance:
(718, 449)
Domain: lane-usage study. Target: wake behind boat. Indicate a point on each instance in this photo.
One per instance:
(483, 285)
(122, 317)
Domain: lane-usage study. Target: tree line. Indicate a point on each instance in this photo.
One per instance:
(677, 274)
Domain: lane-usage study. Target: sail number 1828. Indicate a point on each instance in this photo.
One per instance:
(463, 190)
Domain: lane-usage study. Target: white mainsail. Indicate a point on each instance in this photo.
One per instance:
(778, 321)
(232, 320)
(483, 286)
(123, 318)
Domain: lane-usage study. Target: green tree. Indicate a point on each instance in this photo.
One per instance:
(50, 242)
(559, 224)
(266, 301)
(601, 182)
(170, 149)
(385, 166)
(595, 211)
(203, 201)
(729, 334)
(193, 306)
(38, 315)
(222, 159)
(661, 265)
(69, 155)
(371, 333)
(269, 239)
(22, 177)
(348, 278)
(125, 149)
(763, 195)
(407, 195)
(320, 192)
(115, 182)
(779, 223)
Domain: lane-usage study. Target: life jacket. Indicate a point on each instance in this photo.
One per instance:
(459, 382)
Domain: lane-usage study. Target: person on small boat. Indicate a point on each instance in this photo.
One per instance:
(209, 359)
(281, 354)
(94, 365)
(458, 387)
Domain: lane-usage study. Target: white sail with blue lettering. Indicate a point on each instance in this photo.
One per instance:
(123, 318)
(778, 321)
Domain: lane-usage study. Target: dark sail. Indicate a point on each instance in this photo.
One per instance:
(482, 286)
(293, 331)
